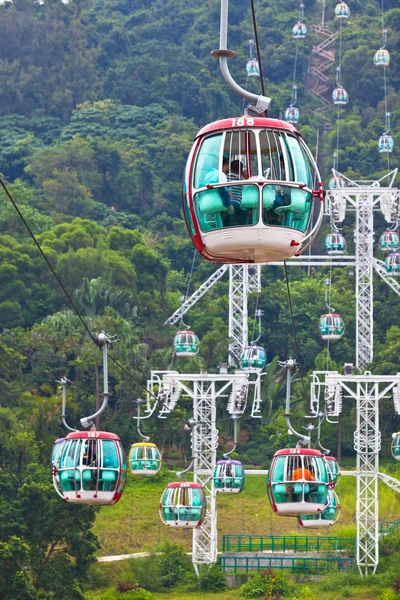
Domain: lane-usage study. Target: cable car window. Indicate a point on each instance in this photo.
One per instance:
(186, 209)
(110, 456)
(208, 168)
(240, 155)
(272, 156)
(302, 166)
(279, 469)
(286, 206)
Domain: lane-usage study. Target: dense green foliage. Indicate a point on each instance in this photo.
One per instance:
(100, 102)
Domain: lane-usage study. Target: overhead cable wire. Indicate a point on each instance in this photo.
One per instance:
(387, 123)
(186, 296)
(62, 286)
(254, 17)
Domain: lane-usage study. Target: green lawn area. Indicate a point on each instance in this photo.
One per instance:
(133, 525)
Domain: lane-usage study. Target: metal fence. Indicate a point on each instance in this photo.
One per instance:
(292, 565)
(284, 544)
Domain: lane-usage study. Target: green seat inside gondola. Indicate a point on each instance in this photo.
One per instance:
(67, 480)
(298, 489)
(319, 495)
(169, 514)
(107, 480)
(396, 450)
(209, 208)
(280, 493)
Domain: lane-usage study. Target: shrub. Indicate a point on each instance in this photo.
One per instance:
(305, 594)
(212, 579)
(135, 594)
(173, 564)
(256, 587)
(124, 586)
(268, 583)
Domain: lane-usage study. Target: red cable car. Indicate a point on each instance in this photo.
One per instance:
(248, 194)
(298, 482)
(90, 468)
(183, 504)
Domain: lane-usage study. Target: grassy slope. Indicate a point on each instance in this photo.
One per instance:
(133, 525)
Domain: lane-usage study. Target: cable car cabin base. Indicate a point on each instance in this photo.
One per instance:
(251, 245)
(327, 518)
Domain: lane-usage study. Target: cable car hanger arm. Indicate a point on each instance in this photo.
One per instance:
(262, 102)
(291, 365)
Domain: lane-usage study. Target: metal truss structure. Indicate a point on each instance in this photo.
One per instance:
(363, 198)
(243, 280)
(367, 390)
(205, 390)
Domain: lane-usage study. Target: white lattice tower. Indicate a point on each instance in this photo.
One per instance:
(396, 399)
(363, 198)
(238, 326)
(364, 242)
(204, 390)
(366, 390)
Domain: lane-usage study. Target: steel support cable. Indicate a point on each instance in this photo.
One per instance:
(384, 83)
(186, 296)
(338, 81)
(253, 14)
(296, 351)
(60, 283)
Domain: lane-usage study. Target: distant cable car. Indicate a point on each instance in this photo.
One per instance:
(336, 183)
(55, 449)
(331, 326)
(90, 468)
(252, 68)
(340, 96)
(144, 459)
(385, 143)
(299, 31)
(253, 357)
(186, 343)
(298, 482)
(292, 115)
(333, 468)
(248, 191)
(389, 241)
(396, 446)
(183, 504)
(382, 57)
(342, 11)
(335, 243)
(393, 264)
(229, 476)
(326, 518)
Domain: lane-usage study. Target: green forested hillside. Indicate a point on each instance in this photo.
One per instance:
(99, 104)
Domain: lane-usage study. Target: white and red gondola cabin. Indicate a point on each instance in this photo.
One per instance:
(298, 482)
(249, 194)
(90, 468)
(183, 504)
